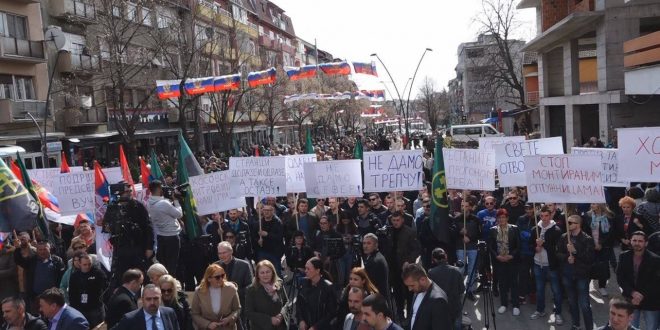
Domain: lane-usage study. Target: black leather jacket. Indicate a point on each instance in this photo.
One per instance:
(317, 304)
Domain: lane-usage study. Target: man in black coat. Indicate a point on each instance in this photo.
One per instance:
(504, 245)
(124, 299)
(405, 249)
(269, 238)
(450, 280)
(430, 308)
(15, 316)
(237, 270)
(638, 275)
(86, 287)
(375, 264)
(42, 270)
(151, 315)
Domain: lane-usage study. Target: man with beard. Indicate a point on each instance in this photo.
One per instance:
(366, 221)
(405, 250)
(353, 320)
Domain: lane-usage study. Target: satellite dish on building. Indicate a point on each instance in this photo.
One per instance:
(56, 35)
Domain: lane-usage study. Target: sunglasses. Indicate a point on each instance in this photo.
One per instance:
(218, 277)
(489, 203)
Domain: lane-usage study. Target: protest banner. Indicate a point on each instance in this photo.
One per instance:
(333, 178)
(211, 192)
(113, 174)
(639, 154)
(509, 160)
(46, 176)
(295, 174)
(564, 179)
(609, 162)
(487, 143)
(74, 192)
(257, 176)
(472, 169)
(400, 170)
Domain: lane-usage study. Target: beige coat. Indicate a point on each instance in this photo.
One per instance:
(230, 306)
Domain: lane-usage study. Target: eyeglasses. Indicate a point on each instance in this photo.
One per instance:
(218, 277)
(489, 203)
(166, 290)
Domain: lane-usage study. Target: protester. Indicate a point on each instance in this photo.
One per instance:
(265, 300)
(124, 299)
(504, 247)
(16, 317)
(215, 303)
(430, 308)
(450, 280)
(58, 313)
(621, 314)
(86, 289)
(376, 265)
(316, 304)
(176, 300)
(152, 315)
(164, 214)
(376, 313)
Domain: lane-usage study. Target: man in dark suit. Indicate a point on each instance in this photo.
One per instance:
(124, 299)
(151, 316)
(15, 316)
(237, 270)
(376, 265)
(450, 280)
(405, 249)
(430, 309)
(376, 313)
(60, 317)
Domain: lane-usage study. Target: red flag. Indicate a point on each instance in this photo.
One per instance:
(256, 151)
(125, 171)
(16, 170)
(64, 168)
(145, 173)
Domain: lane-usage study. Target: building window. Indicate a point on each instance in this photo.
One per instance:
(146, 16)
(131, 12)
(239, 14)
(116, 10)
(261, 30)
(13, 26)
(16, 87)
(164, 21)
(6, 86)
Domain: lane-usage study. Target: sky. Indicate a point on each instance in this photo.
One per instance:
(398, 31)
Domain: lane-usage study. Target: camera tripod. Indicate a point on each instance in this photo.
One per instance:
(482, 261)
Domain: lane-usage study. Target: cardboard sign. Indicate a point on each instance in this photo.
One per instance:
(509, 160)
(295, 174)
(46, 176)
(257, 176)
(113, 175)
(472, 169)
(333, 178)
(211, 192)
(74, 192)
(401, 170)
(487, 143)
(609, 161)
(639, 154)
(564, 179)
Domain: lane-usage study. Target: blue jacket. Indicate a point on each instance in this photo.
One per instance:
(525, 226)
(488, 220)
(72, 319)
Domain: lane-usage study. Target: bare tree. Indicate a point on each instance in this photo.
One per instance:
(503, 59)
(434, 103)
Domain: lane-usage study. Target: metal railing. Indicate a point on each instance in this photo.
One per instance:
(80, 9)
(21, 108)
(81, 62)
(94, 115)
(21, 47)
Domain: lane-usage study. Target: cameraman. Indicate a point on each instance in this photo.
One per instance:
(165, 214)
(131, 234)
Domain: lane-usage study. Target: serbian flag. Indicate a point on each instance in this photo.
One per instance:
(259, 78)
(101, 199)
(375, 95)
(167, 89)
(336, 68)
(64, 167)
(227, 83)
(198, 86)
(307, 71)
(125, 170)
(365, 68)
(47, 199)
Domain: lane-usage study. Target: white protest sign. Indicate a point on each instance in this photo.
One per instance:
(257, 176)
(639, 154)
(564, 179)
(333, 178)
(400, 170)
(74, 192)
(295, 174)
(487, 143)
(472, 169)
(46, 176)
(211, 192)
(113, 174)
(609, 162)
(509, 158)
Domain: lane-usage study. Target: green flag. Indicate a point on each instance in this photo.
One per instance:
(156, 173)
(18, 209)
(27, 182)
(309, 146)
(439, 201)
(188, 166)
(357, 152)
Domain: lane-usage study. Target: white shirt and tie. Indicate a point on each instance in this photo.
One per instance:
(417, 302)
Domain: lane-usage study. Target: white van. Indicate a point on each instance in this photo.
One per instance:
(472, 133)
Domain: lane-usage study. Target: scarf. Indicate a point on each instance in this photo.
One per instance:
(600, 221)
(503, 240)
(271, 289)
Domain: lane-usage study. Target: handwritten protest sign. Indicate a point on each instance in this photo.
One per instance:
(46, 176)
(400, 170)
(472, 169)
(564, 179)
(610, 164)
(333, 178)
(639, 154)
(509, 160)
(74, 192)
(295, 174)
(211, 193)
(257, 176)
(487, 143)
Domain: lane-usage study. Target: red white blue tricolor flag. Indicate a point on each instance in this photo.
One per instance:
(168, 89)
(295, 73)
(259, 78)
(335, 68)
(365, 68)
(196, 86)
(226, 83)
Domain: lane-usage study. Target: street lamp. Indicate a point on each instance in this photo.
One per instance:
(393, 83)
(410, 91)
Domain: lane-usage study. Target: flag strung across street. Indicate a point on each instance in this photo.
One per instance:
(227, 83)
(167, 89)
(365, 68)
(259, 78)
(296, 73)
(335, 68)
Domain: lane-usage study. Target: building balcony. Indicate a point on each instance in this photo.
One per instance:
(74, 10)
(250, 29)
(641, 61)
(571, 26)
(266, 41)
(213, 49)
(78, 63)
(80, 117)
(20, 50)
(288, 49)
(532, 98)
(12, 111)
